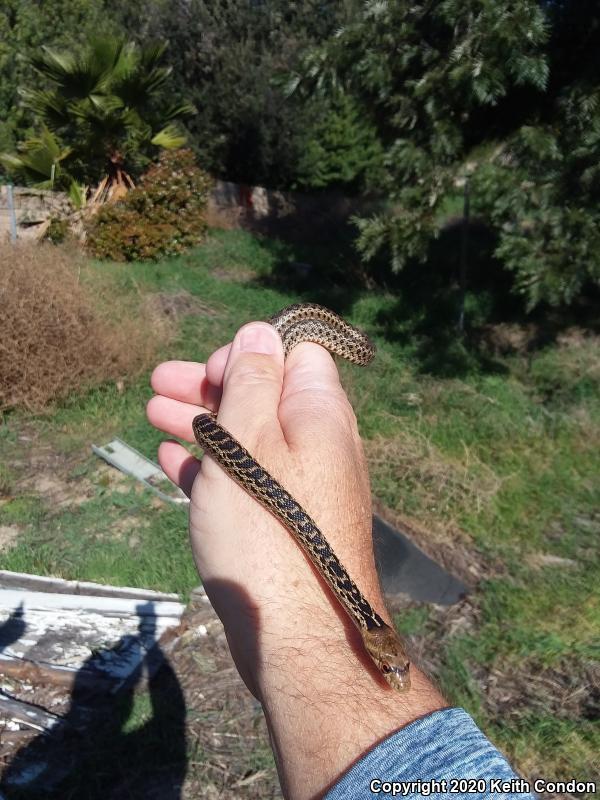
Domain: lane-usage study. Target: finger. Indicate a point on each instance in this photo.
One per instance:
(173, 416)
(312, 394)
(252, 383)
(178, 465)
(186, 381)
(215, 366)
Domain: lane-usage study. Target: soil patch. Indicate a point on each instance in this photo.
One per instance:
(8, 534)
(233, 274)
(179, 304)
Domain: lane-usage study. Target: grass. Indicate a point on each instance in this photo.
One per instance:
(496, 457)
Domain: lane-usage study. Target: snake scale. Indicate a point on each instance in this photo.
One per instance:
(308, 322)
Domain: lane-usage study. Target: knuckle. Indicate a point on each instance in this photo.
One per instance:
(252, 370)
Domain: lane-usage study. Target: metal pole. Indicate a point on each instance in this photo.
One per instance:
(11, 212)
(464, 248)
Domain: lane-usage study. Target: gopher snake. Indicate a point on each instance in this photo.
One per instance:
(295, 324)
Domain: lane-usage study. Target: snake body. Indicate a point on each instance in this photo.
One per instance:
(295, 324)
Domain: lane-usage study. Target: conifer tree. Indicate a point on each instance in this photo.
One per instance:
(508, 94)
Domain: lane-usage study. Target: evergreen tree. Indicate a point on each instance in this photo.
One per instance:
(506, 93)
(338, 148)
(225, 55)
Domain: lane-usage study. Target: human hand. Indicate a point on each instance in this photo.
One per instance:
(290, 638)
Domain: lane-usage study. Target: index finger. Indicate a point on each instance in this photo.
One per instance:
(187, 382)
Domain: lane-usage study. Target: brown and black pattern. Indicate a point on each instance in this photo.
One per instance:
(309, 322)
(295, 324)
(239, 464)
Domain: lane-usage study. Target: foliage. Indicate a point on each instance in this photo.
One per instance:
(478, 88)
(225, 56)
(26, 25)
(338, 148)
(541, 189)
(38, 161)
(78, 195)
(163, 216)
(58, 230)
(101, 102)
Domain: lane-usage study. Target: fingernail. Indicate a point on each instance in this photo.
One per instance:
(258, 339)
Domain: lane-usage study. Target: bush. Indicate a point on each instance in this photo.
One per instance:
(163, 216)
(58, 335)
(58, 230)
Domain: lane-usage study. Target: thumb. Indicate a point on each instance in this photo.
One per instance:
(252, 383)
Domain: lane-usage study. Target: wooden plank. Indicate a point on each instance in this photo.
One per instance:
(42, 583)
(21, 601)
(48, 674)
(27, 714)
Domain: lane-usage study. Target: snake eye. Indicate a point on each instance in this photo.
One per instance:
(385, 668)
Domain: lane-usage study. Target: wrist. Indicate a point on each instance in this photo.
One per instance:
(326, 707)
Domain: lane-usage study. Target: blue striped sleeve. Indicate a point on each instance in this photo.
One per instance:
(442, 755)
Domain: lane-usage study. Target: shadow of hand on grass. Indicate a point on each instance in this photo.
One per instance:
(95, 752)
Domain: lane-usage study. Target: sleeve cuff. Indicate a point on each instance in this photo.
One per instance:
(442, 755)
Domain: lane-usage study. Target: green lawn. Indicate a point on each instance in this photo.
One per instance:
(499, 459)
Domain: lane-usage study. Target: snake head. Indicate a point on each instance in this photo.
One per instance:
(387, 651)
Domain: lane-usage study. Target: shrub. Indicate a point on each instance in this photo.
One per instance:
(58, 230)
(59, 335)
(163, 216)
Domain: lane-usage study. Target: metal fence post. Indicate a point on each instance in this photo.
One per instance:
(11, 212)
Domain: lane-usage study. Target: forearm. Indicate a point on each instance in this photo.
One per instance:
(325, 707)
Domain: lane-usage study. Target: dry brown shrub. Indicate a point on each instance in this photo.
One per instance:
(59, 335)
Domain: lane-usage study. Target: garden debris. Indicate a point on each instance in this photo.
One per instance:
(404, 568)
(130, 461)
(66, 646)
(540, 560)
(40, 583)
(569, 689)
(45, 630)
(18, 712)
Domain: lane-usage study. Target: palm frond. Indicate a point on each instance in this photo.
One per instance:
(74, 76)
(106, 104)
(179, 110)
(169, 137)
(78, 195)
(38, 160)
(103, 58)
(151, 55)
(53, 64)
(47, 104)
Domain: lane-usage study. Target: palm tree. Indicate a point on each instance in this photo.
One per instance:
(39, 161)
(103, 104)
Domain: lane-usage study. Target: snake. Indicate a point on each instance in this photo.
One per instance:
(309, 322)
